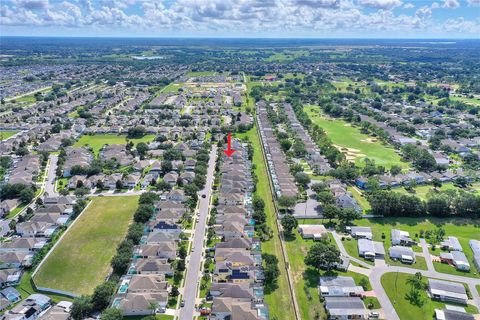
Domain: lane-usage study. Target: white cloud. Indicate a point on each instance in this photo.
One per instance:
(473, 3)
(31, 4)
(233, 17)
(435, 5)
(452, 4)
(381, 4)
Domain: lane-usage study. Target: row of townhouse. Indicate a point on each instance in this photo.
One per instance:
(416, 177)
(76, 157)
(237, 289)
(146, 284)
(25, 170)
(283, 181)
(315, 160)
(32, 235)
(18, 251)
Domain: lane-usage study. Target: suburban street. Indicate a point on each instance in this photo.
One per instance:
(51, 174)
(193, 277)
(375, 274)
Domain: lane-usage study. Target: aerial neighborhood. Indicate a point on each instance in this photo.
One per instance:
(239, 181)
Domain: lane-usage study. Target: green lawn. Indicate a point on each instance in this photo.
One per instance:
(279, 301)
(423, 190)
(25, 287)
(396, 287)
(463, 229)
(478, 289)
(446, 268)
(82, 259)
(97, 141)
(4, 135)
(356, 145)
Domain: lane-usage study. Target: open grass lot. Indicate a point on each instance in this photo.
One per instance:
(463, 229)
(7, 134)
(97, 141)
(81, 261)
(279, 300)
(422, 191)
(356, 145)
(25, 287)
(306, 279)
(396, 287)
(446, 268)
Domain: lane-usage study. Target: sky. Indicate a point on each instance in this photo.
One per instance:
(242, 18)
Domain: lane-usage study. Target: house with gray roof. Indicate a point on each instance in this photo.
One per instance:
(447, 291)
(401, 253)
(344, 308)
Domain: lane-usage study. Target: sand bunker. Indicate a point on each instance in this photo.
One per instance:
(370, 140)
(350, 153)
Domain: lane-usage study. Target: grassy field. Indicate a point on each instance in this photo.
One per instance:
(356, 145)
(7, 134)
(97, 141)
(279, 301)
(422, 191)
(463, 229)
(396, 287)
(81, 261)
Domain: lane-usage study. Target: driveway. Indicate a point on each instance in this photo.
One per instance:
(193, 277)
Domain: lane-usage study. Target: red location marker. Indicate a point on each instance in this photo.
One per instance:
(229, 150)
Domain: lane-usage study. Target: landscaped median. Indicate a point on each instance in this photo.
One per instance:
(81, 260)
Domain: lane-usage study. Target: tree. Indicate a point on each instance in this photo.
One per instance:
(174, 292)
(119, 185)
(136, 132)
(347, 215)
(26, 195)
(112, 314)
(144, 213)
(330, 212)
(81, 307)
(271, 271)
(436, 183)
(289, 223)
(438, 205)
(302, 178)
(148, 198)
(416, 281)
(322, 255)
(286, 201)
(142, 149)
(102, 294)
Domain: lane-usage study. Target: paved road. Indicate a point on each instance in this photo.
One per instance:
(344, 252)
(376, 273)
(426, 255)
(192, 279)
(51, 175)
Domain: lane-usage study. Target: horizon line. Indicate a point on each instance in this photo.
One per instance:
(236, 37)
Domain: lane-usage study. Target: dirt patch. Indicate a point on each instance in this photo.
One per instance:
(370, 140)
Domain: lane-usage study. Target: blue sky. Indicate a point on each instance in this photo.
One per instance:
(242, 18)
